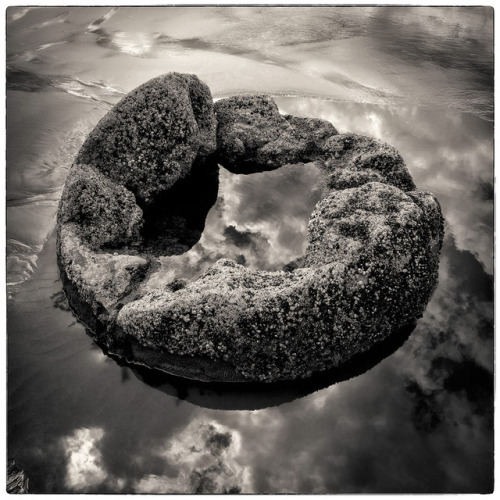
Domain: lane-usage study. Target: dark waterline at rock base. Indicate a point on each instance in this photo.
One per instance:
(244, 395)
(183, 375)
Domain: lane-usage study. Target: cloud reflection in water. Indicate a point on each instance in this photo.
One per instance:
(205, 458)
(84, 467)
(259, 220)
(447, 153)
(420, 421)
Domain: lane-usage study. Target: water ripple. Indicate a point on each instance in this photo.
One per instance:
(60, 18)
(15, 13)
(19, 79)
(94, 25)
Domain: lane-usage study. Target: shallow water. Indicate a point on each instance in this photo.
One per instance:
(421, 420)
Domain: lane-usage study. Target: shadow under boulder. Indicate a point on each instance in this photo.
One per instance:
(175, 221)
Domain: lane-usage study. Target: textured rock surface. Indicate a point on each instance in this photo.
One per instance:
(355, 159)
(363, 282)
(101, 279)
(150, 140)
(370, 267)
(152, 136)
(103, 212)
(17, 482)
(253, 136)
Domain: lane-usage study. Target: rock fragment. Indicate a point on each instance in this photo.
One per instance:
(17, 481)
(153, 135)
(252, 136)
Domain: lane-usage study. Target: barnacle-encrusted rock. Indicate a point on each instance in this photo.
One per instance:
(355, 159)
(140, 150)
(252, 135)
(152, 136)
(370, 267)
(102, 279)
(104, 213)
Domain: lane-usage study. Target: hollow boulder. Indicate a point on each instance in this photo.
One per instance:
(370, 267)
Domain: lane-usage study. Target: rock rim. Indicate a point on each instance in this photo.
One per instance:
(371, 263)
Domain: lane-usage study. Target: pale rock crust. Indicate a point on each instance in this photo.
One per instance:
(370, 267)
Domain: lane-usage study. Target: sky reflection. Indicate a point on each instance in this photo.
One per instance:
(258, 220)
(202, 458)
(419, 79)
(84, 467)
(205, 458)
(446, 153)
